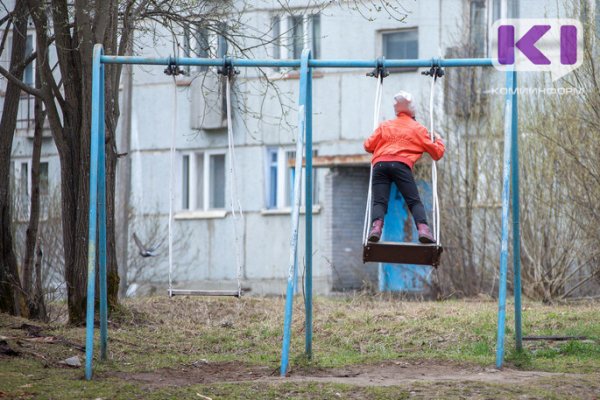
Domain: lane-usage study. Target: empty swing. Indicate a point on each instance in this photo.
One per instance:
(236, 209)
(404, 252)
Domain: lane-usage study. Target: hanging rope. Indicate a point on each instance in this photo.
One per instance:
(234, 198)
(376, 113)
(236, 207)
(435, 199)
(171, 180)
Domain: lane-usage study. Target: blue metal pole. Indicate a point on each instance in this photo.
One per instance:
(508, 116)
(308, 204)
(102, 222)
(239, 62)
(92, 218)
(516, 217)
(293, 264)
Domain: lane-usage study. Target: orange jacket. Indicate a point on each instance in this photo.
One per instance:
(402, 139)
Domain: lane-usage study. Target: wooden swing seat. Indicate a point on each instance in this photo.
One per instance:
(187, 292)
(403, 253)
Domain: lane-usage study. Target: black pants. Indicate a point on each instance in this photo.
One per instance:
(386, 172)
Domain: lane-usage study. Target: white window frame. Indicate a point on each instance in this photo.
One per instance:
(194, 155)
(283, 200)
(286, 38)
(5, 60)
(268, 184)
(26, 197)
(379, 48)
(17, 172)
(503, 14)
(488, 7)
(189, 45)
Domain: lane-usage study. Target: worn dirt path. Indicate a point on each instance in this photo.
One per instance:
(382, 374)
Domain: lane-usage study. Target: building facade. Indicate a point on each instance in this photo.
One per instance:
(264, 117)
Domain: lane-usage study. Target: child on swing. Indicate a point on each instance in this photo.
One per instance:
(396, 145)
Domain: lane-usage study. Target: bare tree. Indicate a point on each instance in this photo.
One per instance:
(468, 180)
(32, 259)
(12, 299)
(560, 189)
(66, 94)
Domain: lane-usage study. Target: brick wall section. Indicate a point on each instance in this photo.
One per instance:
(346, 194)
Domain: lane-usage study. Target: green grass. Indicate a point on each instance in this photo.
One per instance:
(154, 333)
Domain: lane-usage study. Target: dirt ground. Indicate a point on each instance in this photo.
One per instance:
(381, 374)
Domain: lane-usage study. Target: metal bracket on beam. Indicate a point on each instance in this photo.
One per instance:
(227, 68)
(172, 67)
(380, 70)
(436, 70)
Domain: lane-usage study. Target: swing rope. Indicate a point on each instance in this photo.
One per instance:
(434, 192)
(435, 199)
(171, 188)
(376, 113)
(234, 198)
(235, 204)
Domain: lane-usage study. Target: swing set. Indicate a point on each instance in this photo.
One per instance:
(381, 252)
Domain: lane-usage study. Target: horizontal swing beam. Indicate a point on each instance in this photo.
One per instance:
(243, 62)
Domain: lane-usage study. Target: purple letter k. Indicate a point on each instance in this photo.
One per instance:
(506, 44)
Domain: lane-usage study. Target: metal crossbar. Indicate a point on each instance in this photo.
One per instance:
(312, 63)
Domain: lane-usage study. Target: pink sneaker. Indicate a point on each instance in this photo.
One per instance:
(376, 230)
(425, 235)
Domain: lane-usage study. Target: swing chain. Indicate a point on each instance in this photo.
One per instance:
(380, 70)
(172, 68)
(227, 69)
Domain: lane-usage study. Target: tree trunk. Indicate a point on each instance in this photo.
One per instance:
(39, 303)
(11, 295)
(66, 127)
(34, 213)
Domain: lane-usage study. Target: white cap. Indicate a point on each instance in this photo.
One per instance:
(403, 103)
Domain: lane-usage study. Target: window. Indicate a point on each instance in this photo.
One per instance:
(401, 44)
(202, 181)
(198, 42)
(185, 182)
(272, 167)
(276, 32)
(44, 190)
(296, 24)
(202, 46)
(24, 183)
(280, 174)
(28, 77)
(301, 31)
(496, 10)
(597, 11)
(222, 42)
(187, 47)
(315, 25)
(217, 180)
(512, 8)
(23, 174)
(290, 176)
(477, 28)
